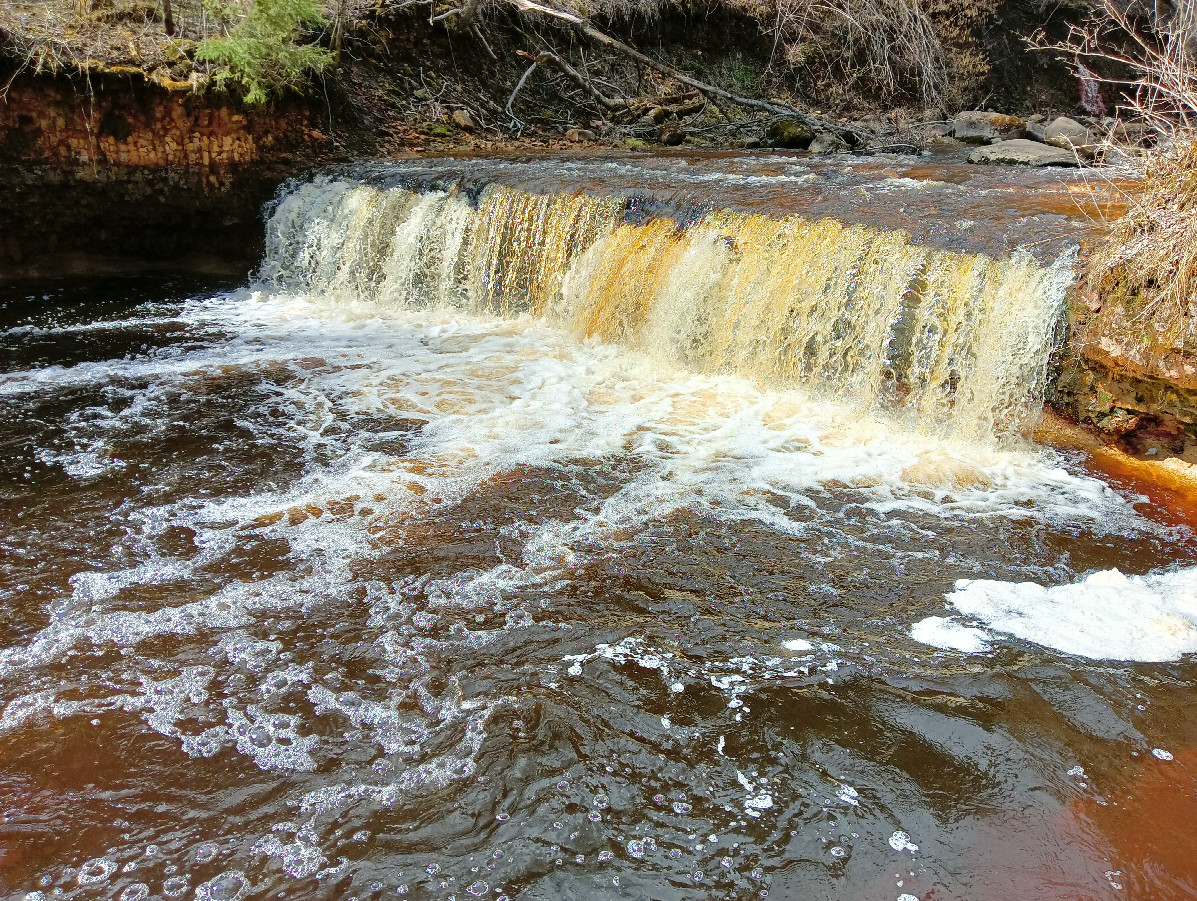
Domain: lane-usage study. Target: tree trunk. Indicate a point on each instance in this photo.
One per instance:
(168, 19)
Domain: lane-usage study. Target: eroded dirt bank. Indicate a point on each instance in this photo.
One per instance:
(117, 176)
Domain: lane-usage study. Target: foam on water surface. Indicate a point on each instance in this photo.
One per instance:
(1104, 616)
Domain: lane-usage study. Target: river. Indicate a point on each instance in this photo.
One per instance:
(667, 528)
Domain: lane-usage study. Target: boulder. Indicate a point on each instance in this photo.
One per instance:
(1021, 152)
(670, 135)
(462, 119)
(577, 135)
(1069, 133)
(827, 142)
(980, 127)
(791, 134)
(1037, 131)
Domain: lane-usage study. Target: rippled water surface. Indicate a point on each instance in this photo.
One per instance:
(304, 597)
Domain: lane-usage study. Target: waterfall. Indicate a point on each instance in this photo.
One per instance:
(957, 342)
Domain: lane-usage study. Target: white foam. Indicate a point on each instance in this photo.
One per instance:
(946, 633)
(1105, 616)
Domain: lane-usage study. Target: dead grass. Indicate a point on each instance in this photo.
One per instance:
(1148, 260)
(102, 35)
(1147, 263)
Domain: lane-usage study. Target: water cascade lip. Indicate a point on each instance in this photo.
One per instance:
(956, 342)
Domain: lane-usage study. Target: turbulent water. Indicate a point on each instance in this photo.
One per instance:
(499, 542)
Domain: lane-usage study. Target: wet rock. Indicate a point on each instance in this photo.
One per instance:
(462, 119)
(980, 127)
(791, 134)
(1036, 131)
(577, 135)
(634, 144)
(656, 114)
(1069, 134)
(1021, 152)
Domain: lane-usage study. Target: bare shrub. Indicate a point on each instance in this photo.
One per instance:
(889, 47)
(1147, 53)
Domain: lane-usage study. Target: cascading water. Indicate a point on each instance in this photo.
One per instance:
(586, 530)
(961, 341)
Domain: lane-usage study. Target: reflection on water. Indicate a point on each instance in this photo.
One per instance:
(306, 596)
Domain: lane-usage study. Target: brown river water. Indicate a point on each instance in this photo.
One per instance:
(599, 528)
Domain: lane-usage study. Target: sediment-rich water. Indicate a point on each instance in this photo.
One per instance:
(511, 540)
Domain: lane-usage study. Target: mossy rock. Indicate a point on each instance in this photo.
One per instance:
(790, 134)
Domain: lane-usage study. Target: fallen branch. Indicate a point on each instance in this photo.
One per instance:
(547, 56)
(518, 87)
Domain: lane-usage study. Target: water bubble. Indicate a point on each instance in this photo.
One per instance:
(594, 816)
(900, 841)
(97, 869)
(259, 737)
(206, 852)
(35, 896)
(135, 892)
(636, 848)
(401, 890)
(604, 856)
(839, 851)
(658, 799)
(230, 886)
(682, 808)
(151, 850)
(175, 886)
(1161, 754)
(698, 876)
(600, 802)
(757, 873)
(478, 888)
(433, 869)
(361, 835)
(502, 817)
(562, 785)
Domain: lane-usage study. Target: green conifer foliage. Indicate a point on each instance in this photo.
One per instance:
(263, 53)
